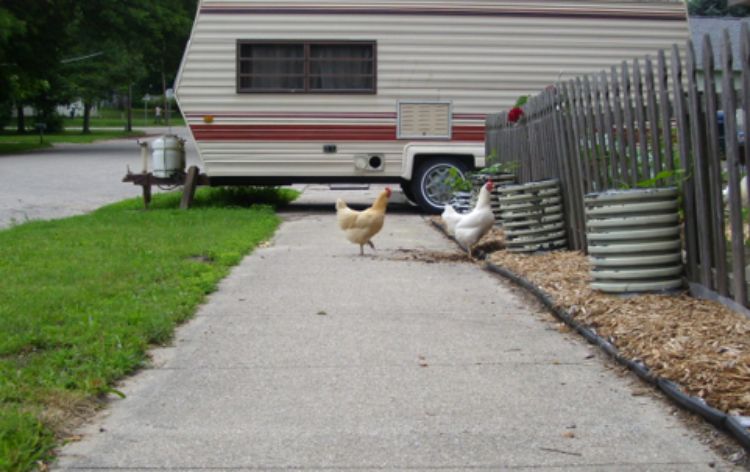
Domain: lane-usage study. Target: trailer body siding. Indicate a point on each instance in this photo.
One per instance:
(478, 56)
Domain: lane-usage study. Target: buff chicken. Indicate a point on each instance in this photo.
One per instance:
(361, 226)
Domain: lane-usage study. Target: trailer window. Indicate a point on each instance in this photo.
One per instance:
(306, 67)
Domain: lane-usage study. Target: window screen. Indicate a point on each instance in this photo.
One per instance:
(306, 67)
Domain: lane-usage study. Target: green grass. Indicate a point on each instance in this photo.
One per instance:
(107, 117)
(83, 298)
(18, 143)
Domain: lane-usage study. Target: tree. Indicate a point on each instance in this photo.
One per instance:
(149, 36)
(54, 51)
(9, 25)
(33, 52)
(168, 35)
(715, 8)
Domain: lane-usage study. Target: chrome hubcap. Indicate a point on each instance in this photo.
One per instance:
(435, 184)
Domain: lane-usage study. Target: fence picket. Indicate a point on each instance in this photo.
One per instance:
(733, 165)
(581, 135)
(698, 140)
(620, 134)
(688, 190)
(665, 112)
(566, 185)
(610, 149)
(627, 104)
(745, 65)
(640, 116)
(714, 169)
(575, 160)
(600, 134)
(591, 114)
(652, 113)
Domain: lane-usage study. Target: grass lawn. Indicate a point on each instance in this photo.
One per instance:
(108, 117)
(17, 143)
(83, 298)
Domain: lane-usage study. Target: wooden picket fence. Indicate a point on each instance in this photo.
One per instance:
(648, 123)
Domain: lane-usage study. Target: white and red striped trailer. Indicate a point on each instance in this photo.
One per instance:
(277, 92)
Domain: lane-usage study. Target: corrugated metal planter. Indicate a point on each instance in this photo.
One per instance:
(634, 240)
(462, 202)
(532, 215)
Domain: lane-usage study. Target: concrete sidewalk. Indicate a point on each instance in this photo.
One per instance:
(310, 357)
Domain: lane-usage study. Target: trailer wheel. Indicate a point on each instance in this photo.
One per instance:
(430, 186)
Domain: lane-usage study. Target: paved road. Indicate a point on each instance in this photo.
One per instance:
(70, 179)
(310, 357)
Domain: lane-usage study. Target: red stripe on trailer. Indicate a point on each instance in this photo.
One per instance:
(293, 133)
(316, 133)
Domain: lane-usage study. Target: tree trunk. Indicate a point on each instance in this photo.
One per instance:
(20, 120)
(129, 105)
(86, 117)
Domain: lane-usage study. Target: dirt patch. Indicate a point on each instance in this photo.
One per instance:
(201, 259)
(65, 412)
(429, 257)
(702, 345)
(491, 242)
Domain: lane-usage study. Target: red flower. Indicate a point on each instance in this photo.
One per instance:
(515, 114)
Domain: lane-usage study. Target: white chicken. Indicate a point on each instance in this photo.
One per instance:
(743, 192)
(472, 226)
(450, 217)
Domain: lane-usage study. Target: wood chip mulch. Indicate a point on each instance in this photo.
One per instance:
(700, 344)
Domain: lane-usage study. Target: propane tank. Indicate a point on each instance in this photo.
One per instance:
(168, 156)
(144, 155)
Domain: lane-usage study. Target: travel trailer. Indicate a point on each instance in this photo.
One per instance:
(278, 92)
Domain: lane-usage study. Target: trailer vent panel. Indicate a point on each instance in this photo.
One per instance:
(424, 120)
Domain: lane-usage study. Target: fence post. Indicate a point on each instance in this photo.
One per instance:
(688, 182)
(714, 169)
(745, 63)
(733, 164)
(699, 166)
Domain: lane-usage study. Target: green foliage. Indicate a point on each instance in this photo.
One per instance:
(715, 8)
(522, 100)
(500, 168)
(457, 182)
(83, 298)
(677, 176)
(55, 52)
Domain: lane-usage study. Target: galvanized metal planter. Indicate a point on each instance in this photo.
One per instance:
(532, 215)
(462, 202)
(634, 240)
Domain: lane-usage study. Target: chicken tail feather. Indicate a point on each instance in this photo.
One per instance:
(341, 204)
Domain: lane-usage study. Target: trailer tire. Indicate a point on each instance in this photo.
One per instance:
(431, 192)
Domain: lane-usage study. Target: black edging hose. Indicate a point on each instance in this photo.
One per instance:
(693, 404)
